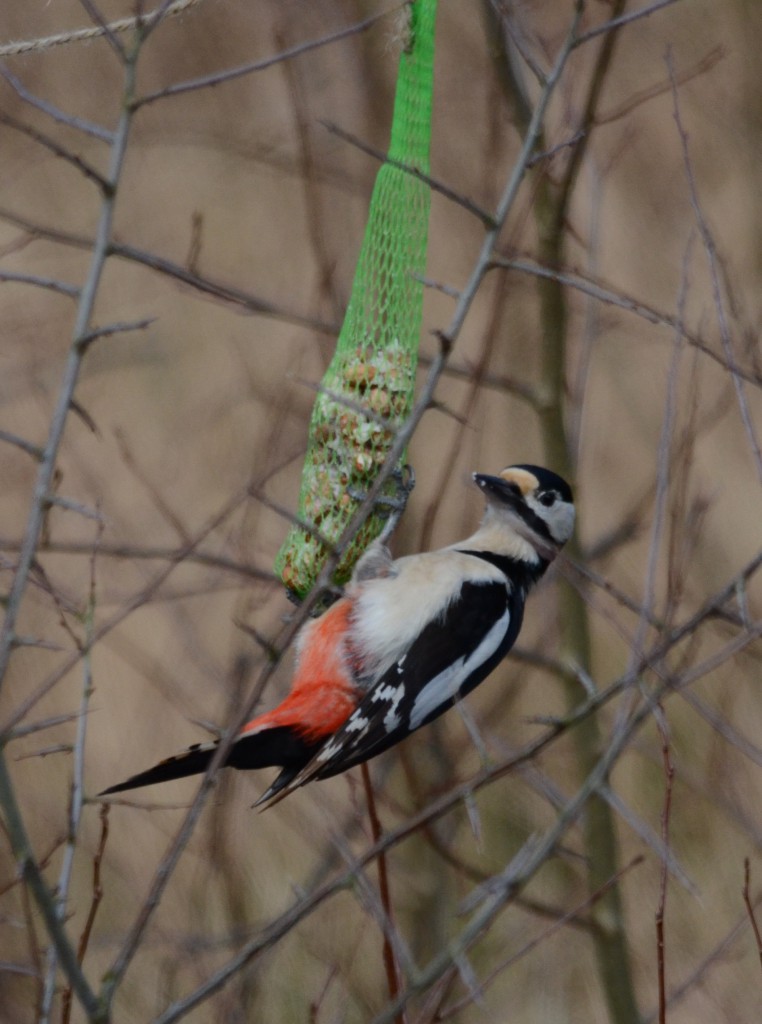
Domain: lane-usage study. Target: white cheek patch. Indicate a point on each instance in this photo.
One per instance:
(559, 519)
(445, 686)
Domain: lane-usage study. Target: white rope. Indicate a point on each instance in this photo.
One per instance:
(94, 32)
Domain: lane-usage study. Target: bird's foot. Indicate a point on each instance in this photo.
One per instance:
(391, 506)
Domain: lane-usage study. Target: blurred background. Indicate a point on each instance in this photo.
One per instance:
(181, 427)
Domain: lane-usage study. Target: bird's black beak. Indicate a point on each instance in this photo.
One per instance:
(497, 487)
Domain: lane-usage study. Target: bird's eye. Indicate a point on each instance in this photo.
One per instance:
(547, 498)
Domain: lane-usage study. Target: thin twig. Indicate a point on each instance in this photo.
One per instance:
(96, 131)
(750, 907)
(718, 955)
(76, 798)
(26, 446)
(390, 964)
(663, 470)
(498, 382)
(47, 723)
(137, 600)
(706, 63)
(118, 328)
(56, 149)
(653, 840)
(651, 314)
(711, 252)
(669, 777)
(74, 506)
(723, 728)
(216, 289)
(159, 554)
(70, 290)
(105, 29)
(436, 186)
(569, 917)
(623, 19)
(30, 870)
(230, 74)
(160, 502)
(147, 23)
(95, 903)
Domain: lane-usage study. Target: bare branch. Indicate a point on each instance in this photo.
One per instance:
(624, 19)
(47, 723)
(230, 74)
(750, 908)
(95, 903)
(159, 554)
(711, 252)
(76, 802)
(118, 328)
(717, 955)
(73, 506)
(70, 290)
(649, 313)
(569, 917)
(30, 871)
(484, 216)
(105, 29)
(80, 124)
(669, 775)
(393, 979)
(137, 600)
(706, 63)
(216, 289)
(56, 149)
(19, 442)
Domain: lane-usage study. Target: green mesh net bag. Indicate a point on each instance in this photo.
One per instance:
(367, 391)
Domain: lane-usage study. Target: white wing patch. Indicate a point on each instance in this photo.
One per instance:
(392, 695)
(357, 722)
(444, 687)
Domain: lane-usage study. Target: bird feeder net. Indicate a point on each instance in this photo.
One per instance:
(367, 391)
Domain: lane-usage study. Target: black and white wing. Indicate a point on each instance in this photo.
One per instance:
(451, 656)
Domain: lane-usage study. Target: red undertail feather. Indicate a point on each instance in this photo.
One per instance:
(323, 696)
(324, 692)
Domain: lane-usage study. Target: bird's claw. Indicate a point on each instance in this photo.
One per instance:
(391, 506)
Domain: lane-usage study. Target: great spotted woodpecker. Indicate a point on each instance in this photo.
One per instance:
(409, 638)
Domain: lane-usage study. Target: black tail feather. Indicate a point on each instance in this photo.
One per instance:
(191, 762)
(280, 746)
(280, 783)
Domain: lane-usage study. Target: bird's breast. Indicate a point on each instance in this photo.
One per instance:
(390, 613)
